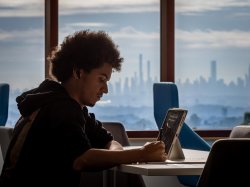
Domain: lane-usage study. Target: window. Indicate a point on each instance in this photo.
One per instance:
(211, 55)
(212, 65)
(135, 27)
(21, 48)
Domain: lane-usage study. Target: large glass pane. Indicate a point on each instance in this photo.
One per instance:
(213, 61)
(21, 48)
(135, 27)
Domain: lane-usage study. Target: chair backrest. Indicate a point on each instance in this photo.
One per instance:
(228, 164)
(246, 120)
(165, 95)
(166, 92)
(120, 135)
(240, 131)
(5, 137)
(1, 160)
(118, 131)
(4, 103)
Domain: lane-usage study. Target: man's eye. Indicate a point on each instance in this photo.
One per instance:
(103, 79)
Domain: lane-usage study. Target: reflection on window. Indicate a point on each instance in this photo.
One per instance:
(21, 48)
(135, 27)
(212, 61)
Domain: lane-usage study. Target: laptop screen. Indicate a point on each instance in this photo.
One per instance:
(171, 126)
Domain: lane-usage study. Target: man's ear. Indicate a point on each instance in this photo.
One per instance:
(77, 73)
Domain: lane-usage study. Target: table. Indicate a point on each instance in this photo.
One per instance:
(169, 169)
(161, 169)
(185, 167)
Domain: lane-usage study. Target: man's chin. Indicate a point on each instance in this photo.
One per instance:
(91, 104)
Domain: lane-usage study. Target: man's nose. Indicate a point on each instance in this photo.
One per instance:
(105, 90)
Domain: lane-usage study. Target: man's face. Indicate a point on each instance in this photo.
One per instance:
(94, 85)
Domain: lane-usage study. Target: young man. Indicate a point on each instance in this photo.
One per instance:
(56, 138)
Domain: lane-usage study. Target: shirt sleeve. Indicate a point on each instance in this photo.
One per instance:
(98, 136)
(68, 132)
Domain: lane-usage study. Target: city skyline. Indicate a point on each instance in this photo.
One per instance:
(204, 108)
(141, 79)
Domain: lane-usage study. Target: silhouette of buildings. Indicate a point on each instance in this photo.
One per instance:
(213, 77)
(211, 103)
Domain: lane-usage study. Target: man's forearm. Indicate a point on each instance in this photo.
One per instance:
(114, 145)
(99, 159)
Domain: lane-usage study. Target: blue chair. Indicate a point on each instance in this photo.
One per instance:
(4, 103)
(165, 96)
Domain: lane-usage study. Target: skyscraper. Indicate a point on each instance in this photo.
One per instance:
(140, 70)
(213, 71)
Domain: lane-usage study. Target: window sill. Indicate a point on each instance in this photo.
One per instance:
(206, 134)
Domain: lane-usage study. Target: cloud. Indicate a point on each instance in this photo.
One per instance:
(198, 6)
(131, 33)
(241, 14)
(17, 8)
(4, 36)
(129, 37)
(189, 39)
(72, 27)
(88, 24)
(213, 39)
(107, 6)
(124, 35)
(28, 36)
(31, 8)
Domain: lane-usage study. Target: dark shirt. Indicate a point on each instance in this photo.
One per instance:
(61, 132)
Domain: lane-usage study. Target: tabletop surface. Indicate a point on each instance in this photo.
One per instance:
(170, 168)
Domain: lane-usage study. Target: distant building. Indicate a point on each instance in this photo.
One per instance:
(213, 71)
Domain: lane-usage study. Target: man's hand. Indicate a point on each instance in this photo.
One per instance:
(154, 151)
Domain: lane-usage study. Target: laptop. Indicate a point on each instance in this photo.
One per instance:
(169, 133)
(171, 127)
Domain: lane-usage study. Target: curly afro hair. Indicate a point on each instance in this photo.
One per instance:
(85, 50)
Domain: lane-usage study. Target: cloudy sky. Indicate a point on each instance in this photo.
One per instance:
(205, 31)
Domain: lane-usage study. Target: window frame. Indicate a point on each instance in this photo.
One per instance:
(167, 51)
(51, 30)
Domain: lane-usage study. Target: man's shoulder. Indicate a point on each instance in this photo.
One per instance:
(63, 109)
